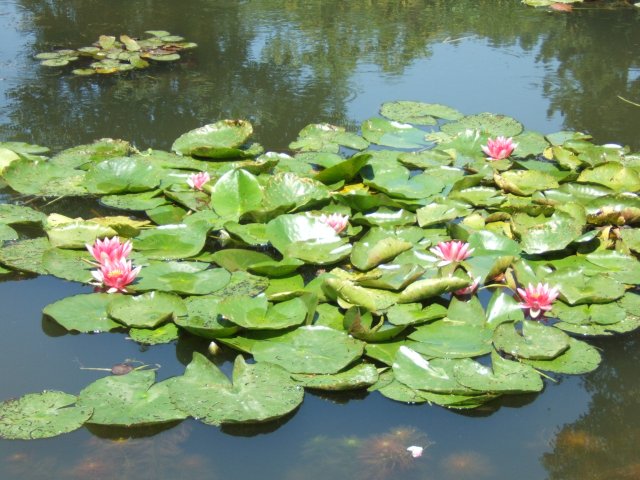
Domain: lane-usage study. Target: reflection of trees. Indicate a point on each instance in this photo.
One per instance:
(597, 55)
(286, 63)
(603, 443)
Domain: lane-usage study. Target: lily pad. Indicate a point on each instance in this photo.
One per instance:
(580, 358)
(41, 415)
(122, 175)
(418, 113)
(172, 241)
(505, 376)
(536, 341)
(362, 375)
(236, 193)
(377, 247)
(491, 124)
(323, 137)
(393, 134)
(216, 140)
(131, 399)
(148, 310)
(188, 278)
(154, 336)
(83, 313)
(259, 392)
(309, 349)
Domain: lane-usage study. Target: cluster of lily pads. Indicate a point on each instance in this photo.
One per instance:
(111, 55)
(354, 261)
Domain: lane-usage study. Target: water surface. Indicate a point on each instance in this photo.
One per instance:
(284, 64)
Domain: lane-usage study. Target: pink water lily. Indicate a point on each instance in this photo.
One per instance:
(537, 299)
(336, 221)
(499, 148)
(468, 290)
(451, 252)
(115, 274)
(109, 249)
(197, 180)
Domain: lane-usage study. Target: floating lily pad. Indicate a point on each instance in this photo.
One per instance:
(172, 241)
(259, 392)
(122, 175)
(377, 247)
(418, 113)
(188, 278)
(41, 415)
(131, 399)
(25, 255)
(148, 310)
(360, 376)
(235, 193)
(491, 124)
(20, 215)
(154, 336)
(536, 341)
(309, 349)
(216, 140)
(578, 359)
(203, 319)
(393, 134)
(323, 137)
(83, 313)
(504, 376)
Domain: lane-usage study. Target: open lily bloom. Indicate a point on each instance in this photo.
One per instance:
(109, 249)
(197, 180)
(451, 252)
(115, 274)
(336, 221)
(537, 299)
(499, 148)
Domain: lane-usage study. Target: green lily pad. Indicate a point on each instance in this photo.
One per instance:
(92, 153)
(288, 189)
(391, 276)
(188, 278)
(154, 336)
(542, 235)
(577, 288)
(613, 175)
(20, 215)
(83, 313)
(393, 134)
(216, 140)
(418, 113)
(131, 399)
(374, 300)
(260, 392)
(432, 287)
(41, 415)
(505, 376)
(172, 241)
(7, 233)
(450, 339)
(122, 175)
(44, 179)
(25, 255)
(536, 342)
(236, 193)
(309, 349)
(73, 265)
(203, 319)
(441, 211)
(77, 234)
(580, 358)
(525, 182)
(413, 370)
(362, 375)
(148, 310)
(621, 267)
(345, 170)
(489, 123)
(323, 137)
(257, 313)
(413, 313)
(135, 201)
(376, 247)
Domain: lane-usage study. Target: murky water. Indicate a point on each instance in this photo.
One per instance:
(283, 64)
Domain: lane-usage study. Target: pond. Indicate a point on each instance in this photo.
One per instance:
(282, 65)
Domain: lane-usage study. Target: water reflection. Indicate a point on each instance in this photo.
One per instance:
(286, 64)
(602, 443)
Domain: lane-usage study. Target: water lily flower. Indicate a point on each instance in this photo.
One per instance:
(537, 299)
(115, 274)
(415, 451)
(197, 180)
(336, 221)
(468, 290)
(499, 148)
(451, 252)
(109, 249)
